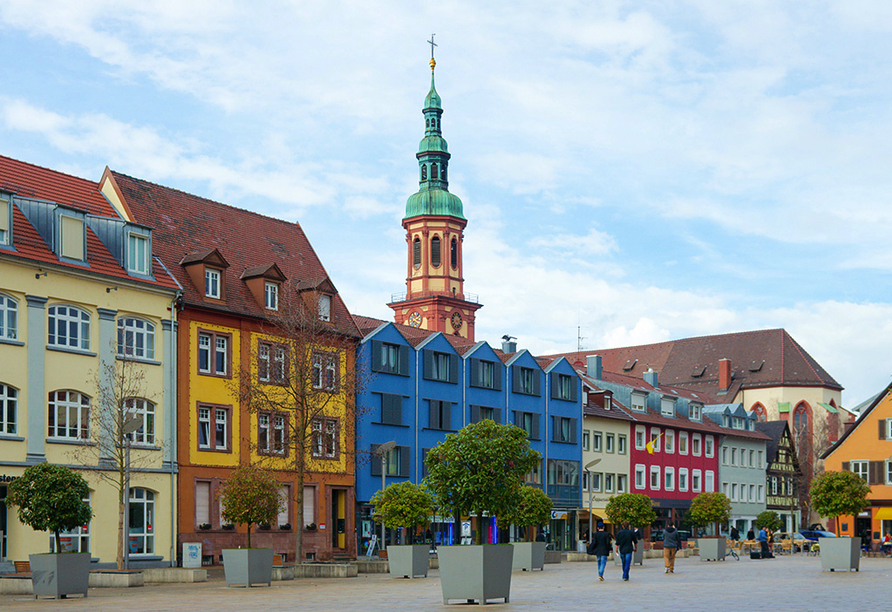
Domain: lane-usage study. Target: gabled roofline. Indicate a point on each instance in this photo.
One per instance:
(520, 354)
(477, 345)
(845, 435)
(554, 364)
(430, 338)
(377, 330)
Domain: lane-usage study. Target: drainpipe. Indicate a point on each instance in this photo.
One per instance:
(172, 361)
(417, 399)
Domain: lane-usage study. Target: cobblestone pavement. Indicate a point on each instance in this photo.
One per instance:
(785, 583)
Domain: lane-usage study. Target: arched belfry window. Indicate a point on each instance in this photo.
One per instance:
(435, 251)
(433, 171)
(416, 253)
(443, 172)
(423, 172)
(453, 253)
(427, 122)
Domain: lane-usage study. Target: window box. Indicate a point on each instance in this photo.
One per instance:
(285, 527)
(204, 526)
(228, 527)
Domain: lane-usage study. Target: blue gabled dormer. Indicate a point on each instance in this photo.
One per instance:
(525, 401)
(440, 396)
(487, 384)
(564, 420)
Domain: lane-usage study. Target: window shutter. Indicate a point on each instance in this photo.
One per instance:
(405, 461)
(514, 414)
(404, 360)
(434, 414)
(376, 355)
(453, 368)
(446, 422)
(845, 466)
(573, 430)
(375, 463)
(475, 372)
(428, 364)
(497, 369)
(497, 415)
(424, 462)
(882, 423)
(475, 414)
(537, 381)
(535, 435)
(553, 379)
(554, 429)
(875, 473)
(310, 504)
(515, 378)
(202, 502)
(574, 389)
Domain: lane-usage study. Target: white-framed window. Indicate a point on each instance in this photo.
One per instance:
(640, 477)
(889, 429)
(324, 307)
(859, 468)
(669, 445)
(68, 327)
(325, 371)
(774, 485)
(5, 219)
(738, 423)
(621, 483)
(733, 455)
(621, 444)
(325, 439)
(669, 478)
(759, 463)
(638, 401)
(654, 478)
(667, 407)
(695, 481)
(585, 478)
(596, 441)
(733, 491)
(69, 415)
(596, 482)
(726, 489)
(213, 353)
(9, 313)
(75, 540)
(138, 253)
(608, 442)
(724, 455)
(9, 403)
(683, 443)
(696, 412)
(655, 438)
(683, 479)
(212, 285)
(709, 446)
(609, 482)
(136, 338)
(144, 411)
(586, 439)
(141, 526)
(752, 455)
(753, 493)
(271, 294)
(695, 444)
(640, 433)
(213, 428)
(709, 481)
(271, 431)
(760, 491)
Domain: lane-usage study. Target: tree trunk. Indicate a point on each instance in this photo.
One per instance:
(120, 555)
(299, 502)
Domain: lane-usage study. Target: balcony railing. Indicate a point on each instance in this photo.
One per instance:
(467, 297)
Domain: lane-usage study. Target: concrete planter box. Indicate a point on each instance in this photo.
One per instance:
(60, 575)
(248, 566)
(841, 554)
(175, 574)
(409, 561)
(476, 573)
(712, 549)
(116, 579)
(552, 556)
(326, 570)
(529, 556)
(372, 566)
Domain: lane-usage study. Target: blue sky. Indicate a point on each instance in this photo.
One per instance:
(641, 170)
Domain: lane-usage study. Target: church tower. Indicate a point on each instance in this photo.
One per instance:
(434, 223)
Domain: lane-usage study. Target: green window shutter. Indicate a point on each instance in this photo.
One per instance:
(497, 369)
(404, 361)
(535, 435)
(454, 361)
(475, 372)
(446, 415)
(376, 460)
(391, 409)
(555, 426)
(554, 382)
(428, 365)
(574, 389)
(405, 461)
(573, 431)
(497, 415)
(515, 378)
(376, 355)
(475, 414)
(434, 414)
(537, 381)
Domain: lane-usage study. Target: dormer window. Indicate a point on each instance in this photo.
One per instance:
(667, 407)
(5, 220)
(637, 402)
(324, 307)
(72, 238)
(212, 283)
(138, 253)
(271, 291)
(696, 412)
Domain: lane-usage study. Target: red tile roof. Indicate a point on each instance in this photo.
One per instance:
(186, 224)
(29, 181)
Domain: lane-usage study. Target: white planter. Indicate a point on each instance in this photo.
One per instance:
(60, 575)
(529, 555)
(248, 566)
(409, 561)
(476, 573)
(712, 549)
(840, 554)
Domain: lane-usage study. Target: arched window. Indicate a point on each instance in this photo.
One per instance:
(433, 171)
(8, 317)
(141, 522)
(68, 327)
(759, 410)
(68, 415)
(144, 411)
(832, 426)
(9, 401)
(443, 171)
(416, 252)
(423, 172)
(136, 338)
(453, 253)
(427, 122)
(435, 251)
(801, 416)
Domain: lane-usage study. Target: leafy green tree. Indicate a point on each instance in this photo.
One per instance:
(403, 504)
(480, 470)
(636, 508)
(709, 508)
(834, 494)
(50, 498)
(251, 495)
(768, 519)
(533, 509)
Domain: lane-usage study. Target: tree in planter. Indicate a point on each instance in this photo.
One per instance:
(532, 510)
(480, 470)
(709, 509)
(403, 504)
(251, 495)
(768, 519)
(50, 498)
(636, 508)
(835, 494)
(302, 380)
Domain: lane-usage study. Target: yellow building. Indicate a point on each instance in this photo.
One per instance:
(86, 313)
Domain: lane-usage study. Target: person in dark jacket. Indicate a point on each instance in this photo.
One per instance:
(600, 547)
(670, 547)
(763, 543)
(625, 546)
(751, 535)
(735, 534)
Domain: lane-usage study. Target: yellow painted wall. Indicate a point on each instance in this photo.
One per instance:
(612, 463)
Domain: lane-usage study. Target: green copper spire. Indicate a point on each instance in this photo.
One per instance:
(433, 197)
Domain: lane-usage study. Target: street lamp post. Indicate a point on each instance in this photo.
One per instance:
(132, 423)
(591, 522)
(382, 451)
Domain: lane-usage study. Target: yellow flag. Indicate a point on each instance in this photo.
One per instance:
(650, 445)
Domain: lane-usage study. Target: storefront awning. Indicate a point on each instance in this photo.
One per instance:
(883, 514)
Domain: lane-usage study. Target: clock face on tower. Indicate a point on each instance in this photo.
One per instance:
(415, 319)
(456, 320)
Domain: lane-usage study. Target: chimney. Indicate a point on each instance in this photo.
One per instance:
(509, 346)
(594, 367)
(724, 374)
(651, 378)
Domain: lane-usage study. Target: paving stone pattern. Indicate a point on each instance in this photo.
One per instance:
(785, 583)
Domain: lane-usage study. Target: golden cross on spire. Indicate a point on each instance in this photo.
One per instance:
(432, 44)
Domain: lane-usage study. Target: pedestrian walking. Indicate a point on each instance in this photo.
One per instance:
(600, 547)
(735, 534)
(763, 543)
(670, 547)
(625, 546)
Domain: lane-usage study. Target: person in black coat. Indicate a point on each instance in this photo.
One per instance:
(625, 546)
(600, 547)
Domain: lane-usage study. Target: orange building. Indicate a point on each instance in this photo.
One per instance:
(866, 449)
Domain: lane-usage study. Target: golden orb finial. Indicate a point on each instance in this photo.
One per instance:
(433, 63)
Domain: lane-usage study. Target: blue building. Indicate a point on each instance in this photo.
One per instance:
(419, 385)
